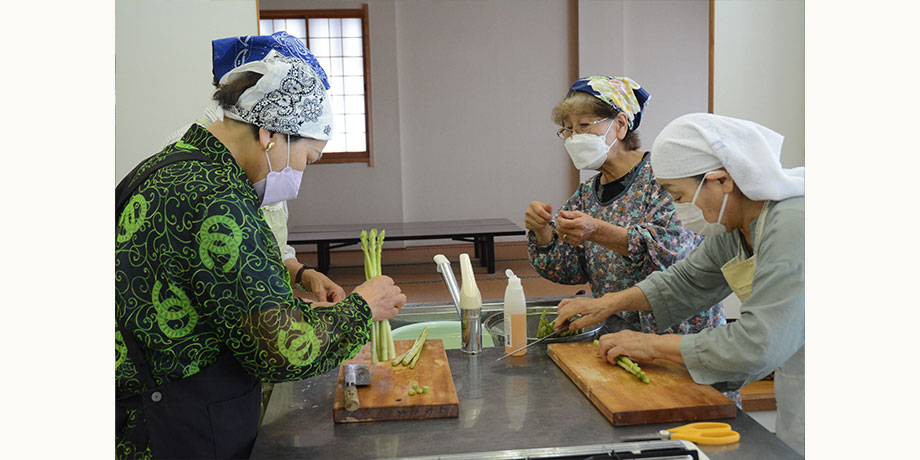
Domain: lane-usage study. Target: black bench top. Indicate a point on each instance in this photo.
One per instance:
(405, 230)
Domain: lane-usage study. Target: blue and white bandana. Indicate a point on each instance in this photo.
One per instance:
(622, 93)
(230, 53)
(291, 96)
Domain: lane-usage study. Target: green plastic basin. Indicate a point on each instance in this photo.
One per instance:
(447, 331)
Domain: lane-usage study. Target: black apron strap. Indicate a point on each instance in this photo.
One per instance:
(130, 183)
(125, 189)
(211, 414)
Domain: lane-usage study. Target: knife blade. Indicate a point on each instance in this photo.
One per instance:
(555, 333)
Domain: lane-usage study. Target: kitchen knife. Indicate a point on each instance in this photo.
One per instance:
(355, 375)
(555, 333)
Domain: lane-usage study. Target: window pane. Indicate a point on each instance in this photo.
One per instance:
(265, 27)
(338, 123)
(325, 63)
(297, 28)
(338, 45)
(353, 85)
(335, 47)
(336, 85)
(352, 47)
(355, 123)
(355, 142)
(319, 27)
(319, 47)
(335, 27)
(352, 66)
(351, 27)
(336, 143)
(354, 104)
(335, 67)
(338, 104)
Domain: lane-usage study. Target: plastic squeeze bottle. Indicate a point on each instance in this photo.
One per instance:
(470, 309)
(515, 315)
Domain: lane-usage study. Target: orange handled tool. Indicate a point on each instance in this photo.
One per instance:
(698, 433)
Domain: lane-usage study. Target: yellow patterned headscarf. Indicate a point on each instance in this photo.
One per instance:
(622, 93)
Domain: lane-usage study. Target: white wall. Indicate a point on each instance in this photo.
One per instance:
(759, 71)
(663, 45)
(163, 67)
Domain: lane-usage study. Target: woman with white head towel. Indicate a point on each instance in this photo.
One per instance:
(728, 185)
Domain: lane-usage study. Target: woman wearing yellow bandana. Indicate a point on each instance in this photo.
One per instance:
(618, 226)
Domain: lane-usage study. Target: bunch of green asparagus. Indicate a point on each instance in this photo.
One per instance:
(382, 348)
(630, 366)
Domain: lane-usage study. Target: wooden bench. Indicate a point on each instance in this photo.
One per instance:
(480, 232)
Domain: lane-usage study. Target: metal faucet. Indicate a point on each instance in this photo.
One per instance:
(451, 282)
(470, 322)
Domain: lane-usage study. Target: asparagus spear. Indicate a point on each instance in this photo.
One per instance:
(406, 360)
(630, 366)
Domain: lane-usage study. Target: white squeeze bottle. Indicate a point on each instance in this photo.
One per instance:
(515, 315)
(470, 309)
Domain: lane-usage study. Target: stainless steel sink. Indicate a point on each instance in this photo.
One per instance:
(446, 311)
(441, 311)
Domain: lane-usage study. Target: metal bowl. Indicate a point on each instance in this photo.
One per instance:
(494, 323)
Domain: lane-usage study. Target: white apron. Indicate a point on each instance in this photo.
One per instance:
(276, 216)
(789, 379)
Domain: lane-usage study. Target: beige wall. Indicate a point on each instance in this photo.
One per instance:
(759, 73)
(355, 193)
(663, 45)
(760, 68)
(163, 67)
(462, 93)
(461, 97)
(467, 88)
(477, 82)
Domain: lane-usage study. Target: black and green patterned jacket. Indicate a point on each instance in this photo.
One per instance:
(197, 272)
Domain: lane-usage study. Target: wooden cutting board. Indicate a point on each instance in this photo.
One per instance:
(387, 397)
(671, 395)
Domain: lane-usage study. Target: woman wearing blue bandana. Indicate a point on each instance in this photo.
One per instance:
(204, 309)
(620, 225)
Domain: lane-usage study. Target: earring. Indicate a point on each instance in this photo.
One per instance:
(270, 145)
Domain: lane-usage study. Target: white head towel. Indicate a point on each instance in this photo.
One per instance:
(697, 143)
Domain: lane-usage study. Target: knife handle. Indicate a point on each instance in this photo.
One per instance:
(351, 398)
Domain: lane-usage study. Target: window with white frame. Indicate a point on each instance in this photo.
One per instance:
(338, 39)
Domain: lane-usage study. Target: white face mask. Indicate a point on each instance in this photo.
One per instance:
(589, 151)
(279, 185)
(691, 216)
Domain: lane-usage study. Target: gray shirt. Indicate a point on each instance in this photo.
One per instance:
(772, 324)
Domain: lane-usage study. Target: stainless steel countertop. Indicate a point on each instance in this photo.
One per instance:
(521, 402)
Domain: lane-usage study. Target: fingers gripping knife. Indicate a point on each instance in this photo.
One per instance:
(355, 375)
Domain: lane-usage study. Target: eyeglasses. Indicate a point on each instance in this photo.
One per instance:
(581, 128)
